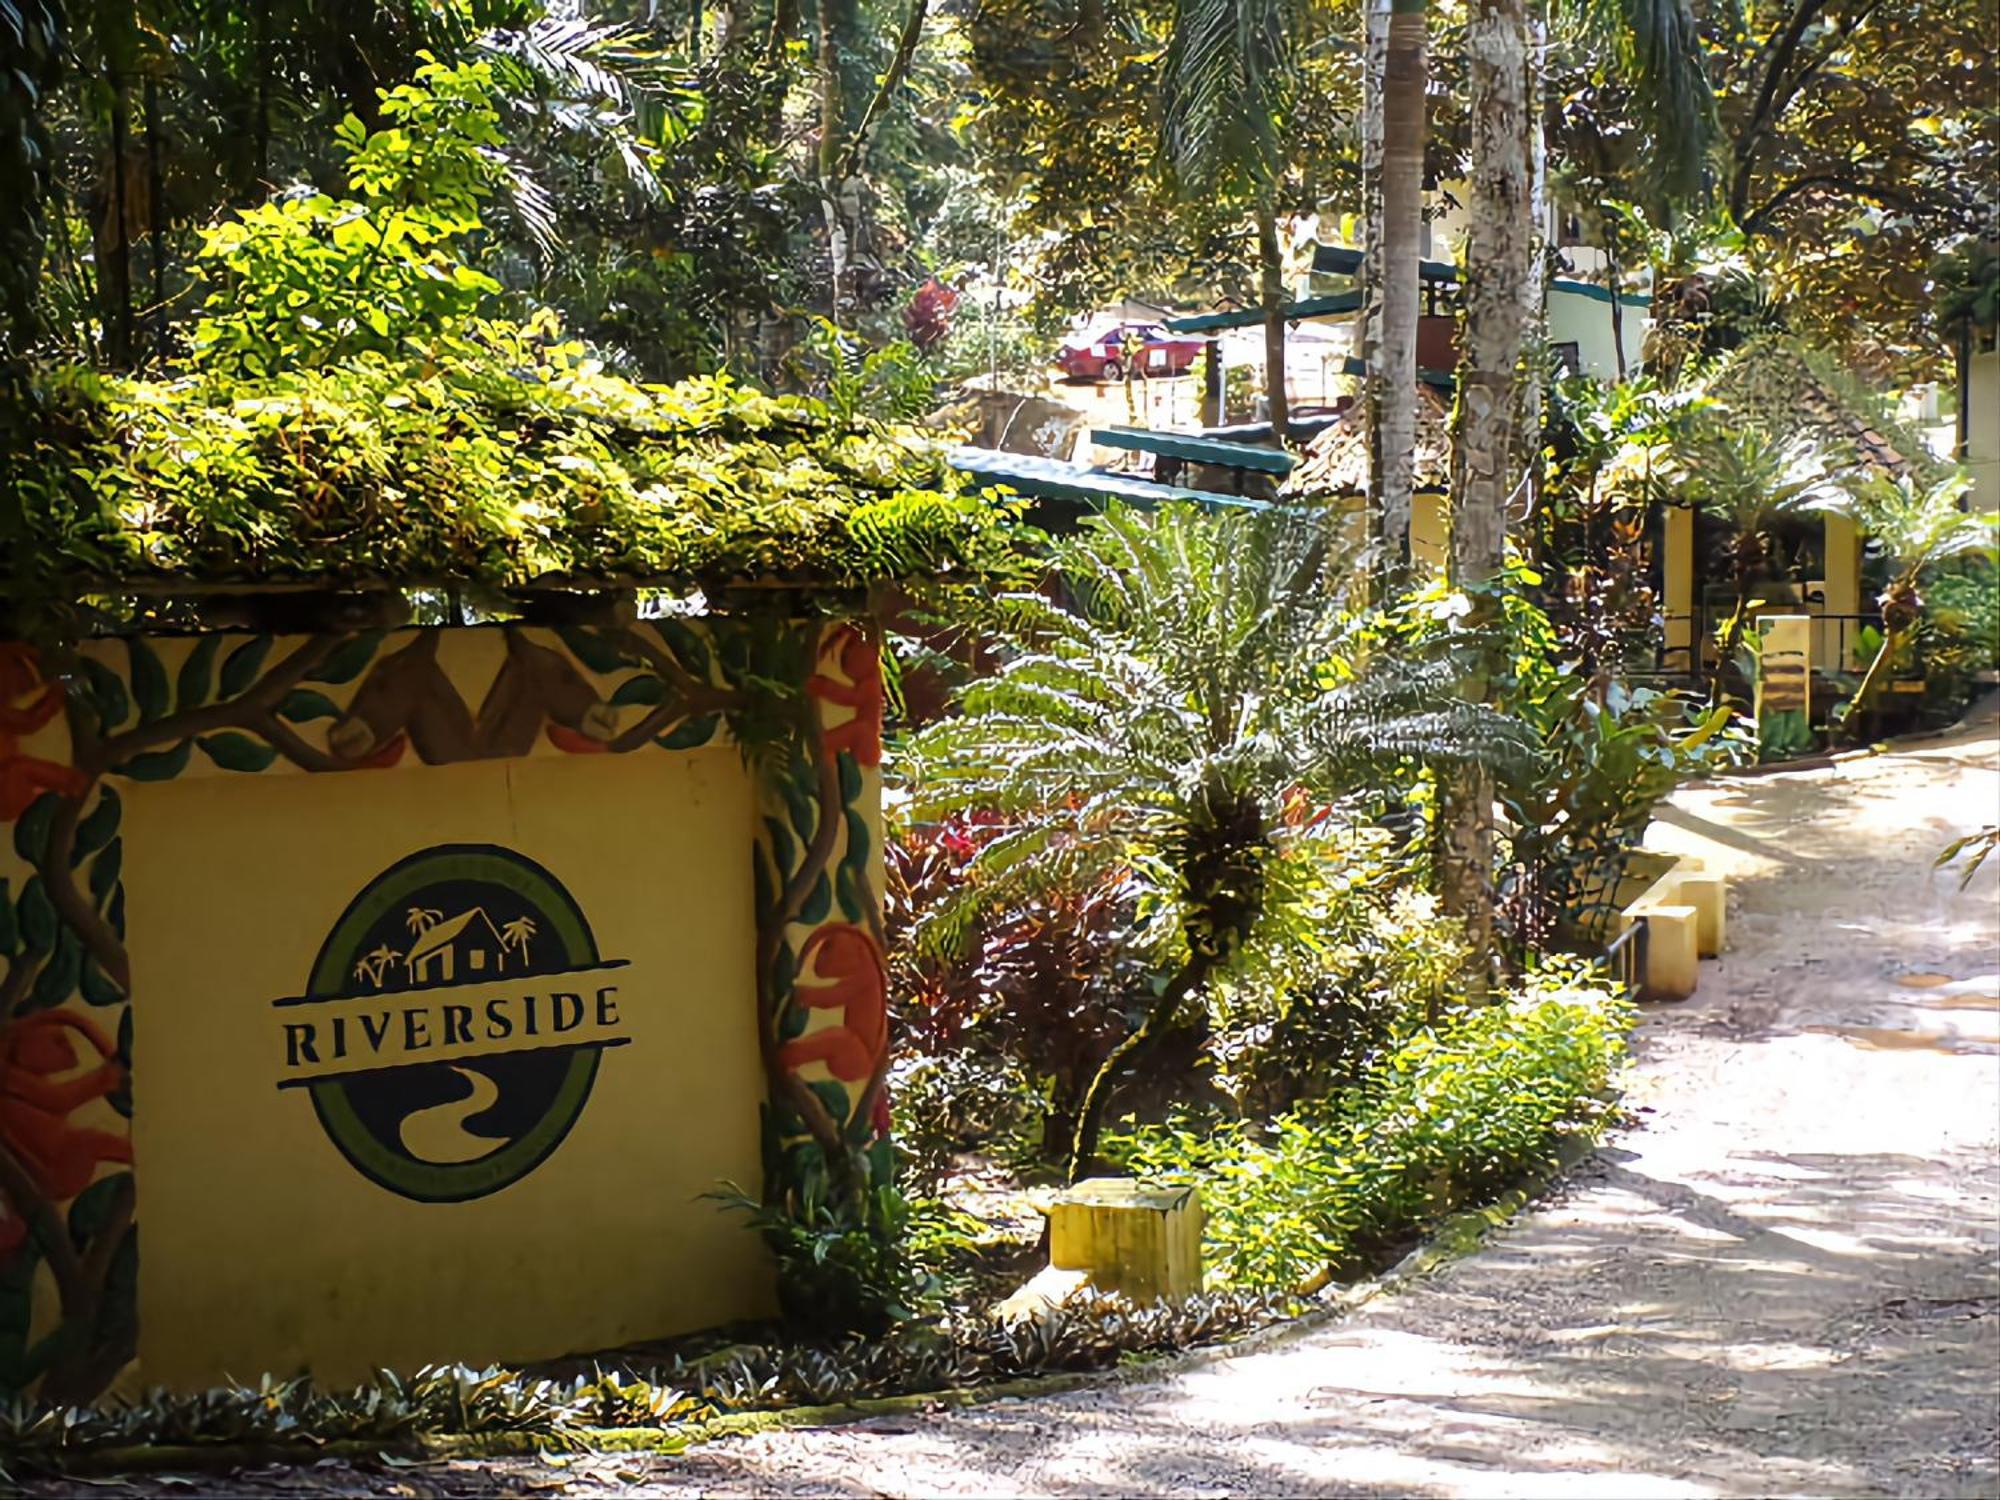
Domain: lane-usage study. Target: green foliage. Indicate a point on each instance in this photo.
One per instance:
(1607, 755)
(309, 281)
(843, 1267)
(316, 436)
(1446, 1119)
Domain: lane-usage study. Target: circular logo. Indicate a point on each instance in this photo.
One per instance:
(457, 1012)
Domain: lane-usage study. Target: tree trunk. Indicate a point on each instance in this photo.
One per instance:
(831, 133)
(156, 221)
(1090, 1115)
(115, 249)
(1271, 261)
(1487, 470)
(1394, 278)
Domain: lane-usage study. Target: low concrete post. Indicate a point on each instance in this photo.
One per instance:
(1143, 1242)
(1673, 950)
(1707, 894)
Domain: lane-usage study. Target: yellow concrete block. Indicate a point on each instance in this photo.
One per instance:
(1673, 951)
(1131, 1238)
(1708, 895)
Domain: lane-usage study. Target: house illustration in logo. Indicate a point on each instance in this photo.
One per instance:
(465, 947)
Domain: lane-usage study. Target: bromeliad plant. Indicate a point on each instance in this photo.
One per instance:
(1203, 676)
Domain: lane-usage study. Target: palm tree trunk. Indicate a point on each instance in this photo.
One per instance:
(1271, 262)
(1394, 260)
(830, 135)
(1486, 452)
(1090, 1115)
(1852, 717)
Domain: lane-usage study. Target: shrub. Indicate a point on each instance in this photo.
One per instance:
(1444, 1120)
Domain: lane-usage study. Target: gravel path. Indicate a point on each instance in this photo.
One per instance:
(1785, 1281)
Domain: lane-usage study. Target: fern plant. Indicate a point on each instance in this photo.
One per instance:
(1203, 680)
(1911, 525)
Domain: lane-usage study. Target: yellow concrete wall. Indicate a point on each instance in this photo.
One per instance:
(1982, 428)
(1430, 534)
(265, 1249)
(174, 873)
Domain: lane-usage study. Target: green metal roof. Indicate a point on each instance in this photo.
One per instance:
(1196, 449)
(1339, 260)
(1252, 317)
(1078, 484)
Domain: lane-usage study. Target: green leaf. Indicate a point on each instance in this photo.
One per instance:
(105, 691)
(104, 871)
(850, 778)
(690, 734)
(95, 831)
(833, 1096)
(687, 646)
(36, 916)
(157, 765)
(819, 903)
(856, 857)
(10, 930)
(640, 690)
(149, 679)
(90, 1211)
(60, 974)
(240, 670)
(95, 985)
(602, 655)
(237, 752)
(31, 829)
(115, 913)
(784, 852)
(345, 661)
(197, 677)
(302, 705)
(852, 895)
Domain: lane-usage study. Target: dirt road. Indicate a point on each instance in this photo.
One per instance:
(1782, 1281)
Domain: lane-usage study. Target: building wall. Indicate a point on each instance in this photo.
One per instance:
(1582, 315)
(1982, 424)
(213, 1018)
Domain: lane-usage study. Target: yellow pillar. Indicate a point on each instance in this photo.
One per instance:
(1677, 584)
(1843, 590)
(1673, 950)
(1430, 534)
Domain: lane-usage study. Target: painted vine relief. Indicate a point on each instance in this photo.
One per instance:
(804, 701)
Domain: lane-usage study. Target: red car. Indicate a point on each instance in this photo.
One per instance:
(1104, 353)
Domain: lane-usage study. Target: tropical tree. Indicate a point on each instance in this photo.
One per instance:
(1227, 87)
(1204, 678)
(1913, 525)
(1493, 440)
(1751, 482)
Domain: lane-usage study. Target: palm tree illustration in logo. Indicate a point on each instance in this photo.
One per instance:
(372, 966)
(515, 935)
(421, 919)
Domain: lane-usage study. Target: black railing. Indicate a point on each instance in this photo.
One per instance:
(1837, 642)
(1625, 957)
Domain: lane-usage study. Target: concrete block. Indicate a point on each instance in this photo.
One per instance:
(1708, 895)
(1141, 1241)
(1673, 950)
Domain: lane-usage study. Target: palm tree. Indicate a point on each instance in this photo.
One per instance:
(1155, 728)
(516, 934)
(421, 919)
(1914, 526)
(1751, 482)
(1227, 87)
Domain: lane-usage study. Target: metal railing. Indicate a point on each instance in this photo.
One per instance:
(1836, 641)
(1625, 957)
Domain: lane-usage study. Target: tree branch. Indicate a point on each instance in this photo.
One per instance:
(237, 713)
(70, 903)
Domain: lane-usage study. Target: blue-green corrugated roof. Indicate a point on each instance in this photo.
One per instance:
(1196, 449)
(1251, 317)
(1078, 484)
